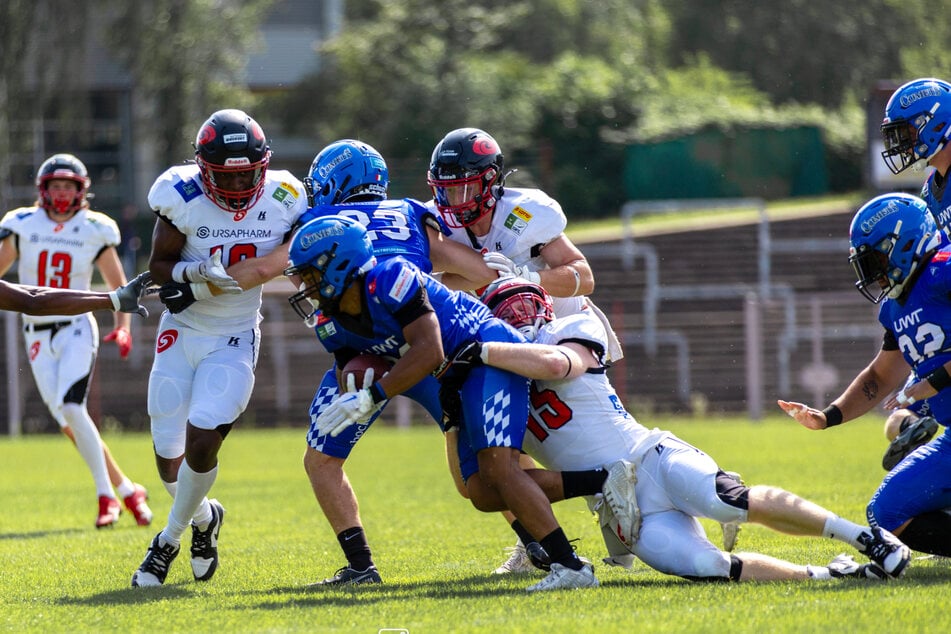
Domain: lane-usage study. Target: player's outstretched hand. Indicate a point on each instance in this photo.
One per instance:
(806, 416)
(507, 268)
(125, 299)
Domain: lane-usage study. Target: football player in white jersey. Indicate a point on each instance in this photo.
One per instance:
(58, 241)
(222, 230)
(519, 231)
(577, 422)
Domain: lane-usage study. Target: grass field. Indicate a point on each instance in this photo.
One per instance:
(58, 574)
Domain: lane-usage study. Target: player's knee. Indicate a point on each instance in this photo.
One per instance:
(896, 421)
(716, 567)
(318, 464)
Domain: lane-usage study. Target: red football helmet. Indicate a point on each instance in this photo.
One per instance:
(523, 305)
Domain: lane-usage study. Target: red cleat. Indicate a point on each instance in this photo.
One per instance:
(109, 511)
(138, 507)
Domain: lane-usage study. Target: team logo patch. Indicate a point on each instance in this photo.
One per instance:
(166, 340)
(402, 284)
(34, 350)
(515, 224)
(941, 256)
(188, 190)
(521, 213)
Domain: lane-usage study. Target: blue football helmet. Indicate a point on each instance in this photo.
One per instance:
(328, 253)
(917, 123)
(346, 171)
(890, 236)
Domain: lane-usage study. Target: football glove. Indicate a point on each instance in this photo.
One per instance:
(210, 270)
(507, 268)
(466, 358)
(347, 409)
(123, 339)
(177, 296)
(125, 299)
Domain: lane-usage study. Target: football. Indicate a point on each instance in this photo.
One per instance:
(358, 365)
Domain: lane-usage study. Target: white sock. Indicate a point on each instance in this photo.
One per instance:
(192, 488)
(171, 487)
(125, 488)
(843, 530)
(89, 445)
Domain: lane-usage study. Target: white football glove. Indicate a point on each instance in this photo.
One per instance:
(213, 271)
(347, 409)
(507, 268)
(367, 380)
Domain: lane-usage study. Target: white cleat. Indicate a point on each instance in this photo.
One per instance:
(562, 578)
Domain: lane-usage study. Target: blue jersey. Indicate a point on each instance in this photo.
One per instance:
(937, 196)
(921, 323)
(395, 227)
(389, 287)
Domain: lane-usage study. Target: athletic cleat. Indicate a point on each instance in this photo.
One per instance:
(154, 567)
(619, 494)
(347, 576)
(731, 529)
(137, 505)
(886, 550)
(204, 549)
(518, 562)
(844, 566)
(561, 577)
(912, 434)
(109, 511)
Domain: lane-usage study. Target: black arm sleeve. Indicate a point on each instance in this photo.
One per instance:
(889, 342)
(416, 307)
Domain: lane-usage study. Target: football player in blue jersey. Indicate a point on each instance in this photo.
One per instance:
(392, 309)
(915, 131)
(350, 178)
(903, 263)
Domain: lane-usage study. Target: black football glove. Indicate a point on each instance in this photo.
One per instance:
(177, 296)
(466, 358)
(125, 299)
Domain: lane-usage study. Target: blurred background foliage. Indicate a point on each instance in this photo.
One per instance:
(566, 86)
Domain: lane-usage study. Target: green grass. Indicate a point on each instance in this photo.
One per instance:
(58, 574)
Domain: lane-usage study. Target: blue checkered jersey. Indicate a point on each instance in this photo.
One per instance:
(921, 323)
(395, 227)
(392, 288)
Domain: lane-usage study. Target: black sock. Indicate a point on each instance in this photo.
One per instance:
(578, 483)
(560, 551)
(523, 534)
(353, 541)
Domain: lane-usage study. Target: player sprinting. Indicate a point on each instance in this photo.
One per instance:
(226, 210)
(58, 242)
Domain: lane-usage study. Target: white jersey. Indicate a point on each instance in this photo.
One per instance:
(177, 196)
(59, 254)
(580, 423)
(524, 221)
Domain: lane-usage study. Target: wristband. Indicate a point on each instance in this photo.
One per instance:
(939, 379)
(179, 273)
(114, 296)
(577, 280)
(568, 359)
(201, 291)
(833, 416)
(377, 393)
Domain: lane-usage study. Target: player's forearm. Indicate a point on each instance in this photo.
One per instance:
(568, 280)
(535, 361)
(47, 301)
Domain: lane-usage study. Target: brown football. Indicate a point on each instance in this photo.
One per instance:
(360, 364)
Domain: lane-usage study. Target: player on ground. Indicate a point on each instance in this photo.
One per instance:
(577, 422)
(58, 241)
(902, 263)
(227, 209)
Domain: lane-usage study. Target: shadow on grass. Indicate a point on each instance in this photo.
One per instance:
(133, 596)
(40, 534)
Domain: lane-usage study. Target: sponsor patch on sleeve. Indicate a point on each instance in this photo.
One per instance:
(286, 195)
(188, 189)
(402, 284)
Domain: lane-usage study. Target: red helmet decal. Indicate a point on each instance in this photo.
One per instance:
(485, 146)
(206, 135)
(257, 131)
